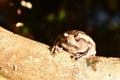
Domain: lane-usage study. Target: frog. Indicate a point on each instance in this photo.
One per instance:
(77, 43)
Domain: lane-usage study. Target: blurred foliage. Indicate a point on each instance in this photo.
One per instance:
(61, 15)
(44, 20)
(51, 17)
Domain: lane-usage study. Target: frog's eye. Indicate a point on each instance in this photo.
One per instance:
(78, 39)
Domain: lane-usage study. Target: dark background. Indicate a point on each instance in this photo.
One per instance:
(48, 18)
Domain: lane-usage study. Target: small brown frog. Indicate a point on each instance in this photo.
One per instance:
(76, 42)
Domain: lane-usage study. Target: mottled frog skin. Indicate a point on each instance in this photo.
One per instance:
(77, 43)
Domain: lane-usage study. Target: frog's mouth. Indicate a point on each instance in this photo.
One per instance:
(80, 54)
